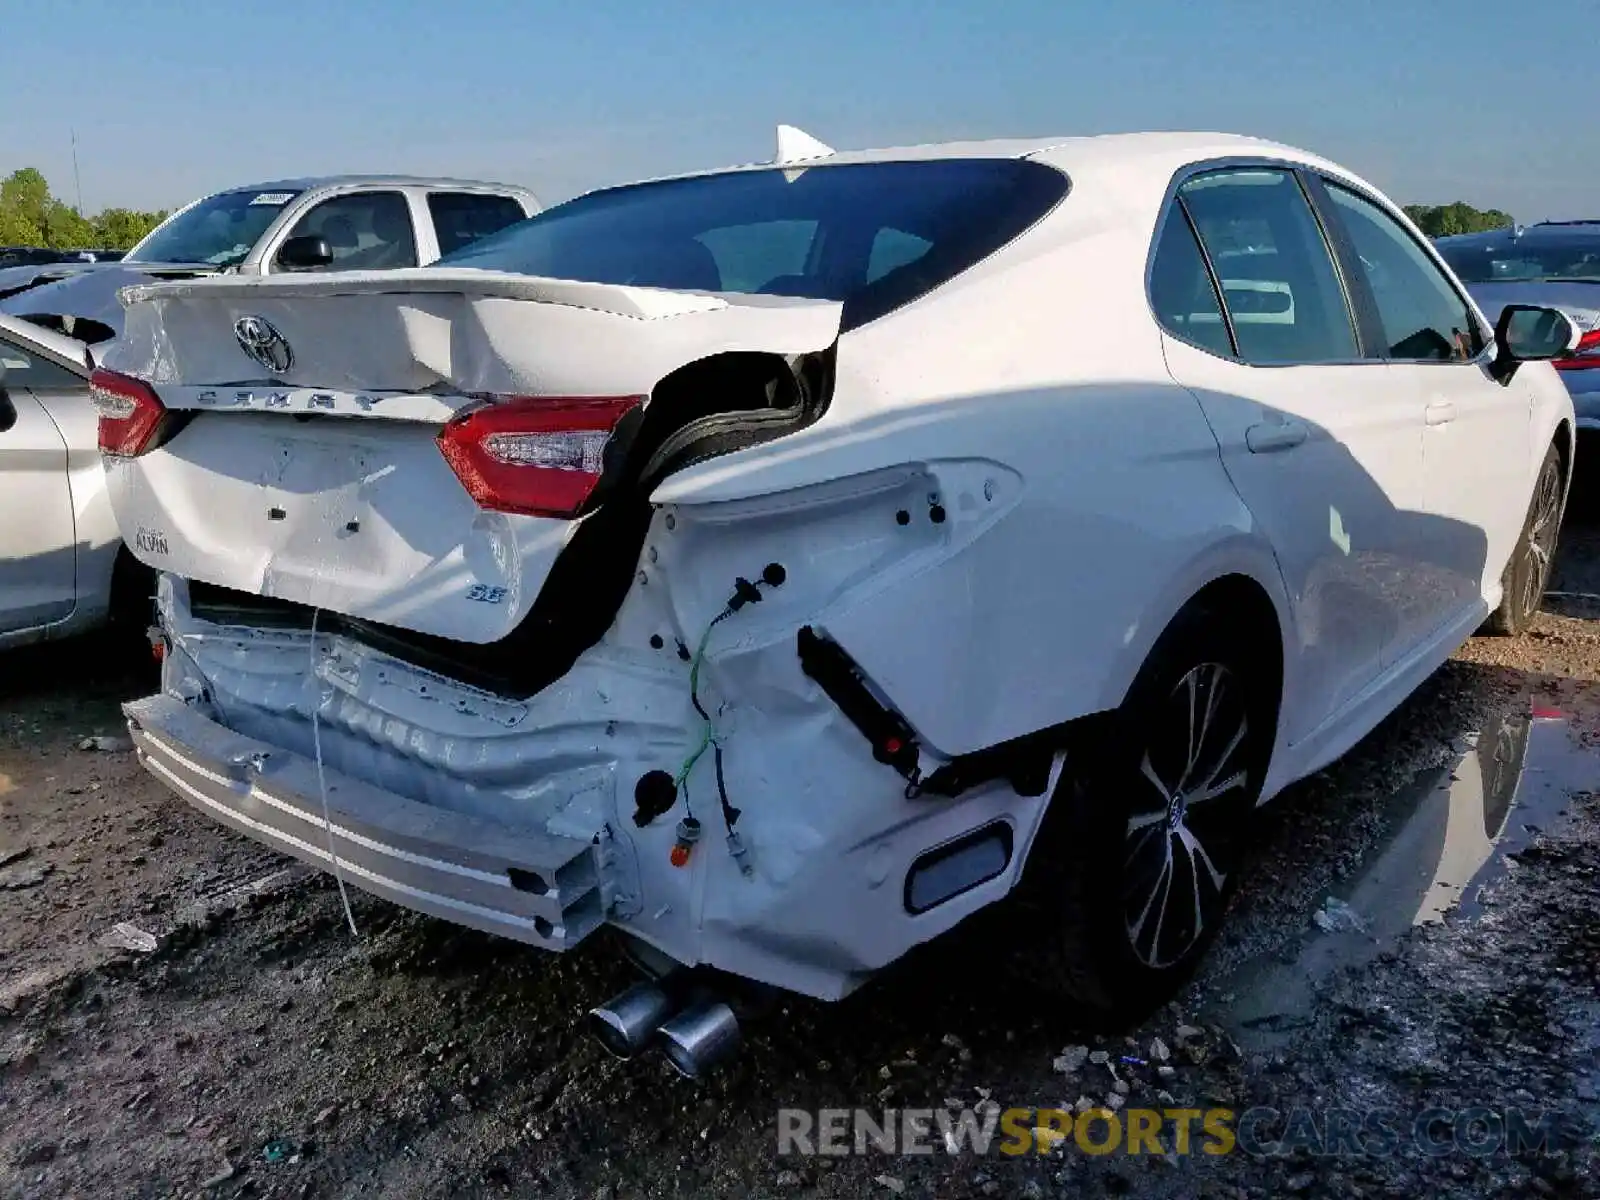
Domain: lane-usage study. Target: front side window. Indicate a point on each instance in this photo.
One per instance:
(1278, 279)
(367, 231)
(461, 218)
(1181, 291)
(20, 368)
(873, 236)
(1423, 317)
(220, 230)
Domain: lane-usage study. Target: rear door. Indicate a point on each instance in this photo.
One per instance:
(38, 534)
(461, 218)
(1476, 442)
(1324, 451)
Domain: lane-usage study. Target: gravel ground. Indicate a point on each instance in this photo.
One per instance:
(259, 1049)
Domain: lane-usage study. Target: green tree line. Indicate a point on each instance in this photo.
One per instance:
(1442, 220)
(31, 216)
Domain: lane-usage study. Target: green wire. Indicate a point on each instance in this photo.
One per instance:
(707, 730)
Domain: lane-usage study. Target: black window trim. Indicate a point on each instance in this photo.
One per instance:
(1171, 199)
(1211, 277)
(1344, 247)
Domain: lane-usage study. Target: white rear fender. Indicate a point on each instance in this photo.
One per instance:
(1015, 617)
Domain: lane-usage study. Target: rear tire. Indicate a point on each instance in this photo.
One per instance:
(1528, 573)
(1142, 845)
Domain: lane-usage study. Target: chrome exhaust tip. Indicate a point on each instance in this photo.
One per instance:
(700, 1037)
(625, 1024)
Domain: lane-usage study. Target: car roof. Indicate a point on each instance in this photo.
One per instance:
(316, 181)
(1154, 154)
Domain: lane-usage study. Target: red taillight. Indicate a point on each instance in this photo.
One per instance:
(1586, 357)
(130, 412)
(540, 456)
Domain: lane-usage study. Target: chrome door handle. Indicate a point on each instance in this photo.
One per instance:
(1271, 436)
(1440, 412)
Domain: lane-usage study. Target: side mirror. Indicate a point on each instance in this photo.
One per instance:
(1530, 333)
(305, 253)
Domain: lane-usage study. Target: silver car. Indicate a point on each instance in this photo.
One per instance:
(63, 566)
(1554, 263)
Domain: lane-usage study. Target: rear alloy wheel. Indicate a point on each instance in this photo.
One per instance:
(1178, 842)
(1143, 843)
(1528, 573)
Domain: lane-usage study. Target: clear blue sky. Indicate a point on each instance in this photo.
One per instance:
(1466, 99)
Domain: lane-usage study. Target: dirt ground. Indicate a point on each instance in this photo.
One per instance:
(259, 1049)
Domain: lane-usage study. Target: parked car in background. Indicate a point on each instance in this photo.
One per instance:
(781, 563)
(30, 256)
(1556, 263)
(63, 568)
(348, 222)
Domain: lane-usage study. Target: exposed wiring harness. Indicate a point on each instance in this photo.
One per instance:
(744, 593)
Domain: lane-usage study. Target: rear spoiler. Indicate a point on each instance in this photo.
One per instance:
(624, 300)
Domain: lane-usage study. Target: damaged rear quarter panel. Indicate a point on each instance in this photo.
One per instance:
(1042, 611)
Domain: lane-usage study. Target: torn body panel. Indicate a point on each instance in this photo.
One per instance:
(827, 832)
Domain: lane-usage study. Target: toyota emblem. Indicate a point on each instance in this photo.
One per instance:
(262, 342)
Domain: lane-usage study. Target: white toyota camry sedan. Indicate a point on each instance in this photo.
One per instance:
(781, 563)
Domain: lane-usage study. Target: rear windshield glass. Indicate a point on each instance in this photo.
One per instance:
(873, 235)
(1536, 258)
(218, 230)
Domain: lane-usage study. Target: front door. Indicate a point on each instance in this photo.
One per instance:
(1476, 437)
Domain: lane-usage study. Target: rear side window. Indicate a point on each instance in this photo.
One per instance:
(1279, 284)
(367, 231)
(1423, 317)
(21, 368)
(1181, 291)
(461, 218)
(880, 234)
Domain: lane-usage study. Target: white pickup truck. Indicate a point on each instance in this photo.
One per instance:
(65, 570)
(336, 223)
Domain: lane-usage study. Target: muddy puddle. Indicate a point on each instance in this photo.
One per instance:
(1451, 834)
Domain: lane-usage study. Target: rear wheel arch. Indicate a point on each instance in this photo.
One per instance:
(1069, 878)
(1234, 597)
(1238, 606)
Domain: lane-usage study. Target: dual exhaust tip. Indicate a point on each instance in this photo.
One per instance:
(695, 1037)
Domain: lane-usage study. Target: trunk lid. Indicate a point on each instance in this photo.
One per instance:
(303, 458)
